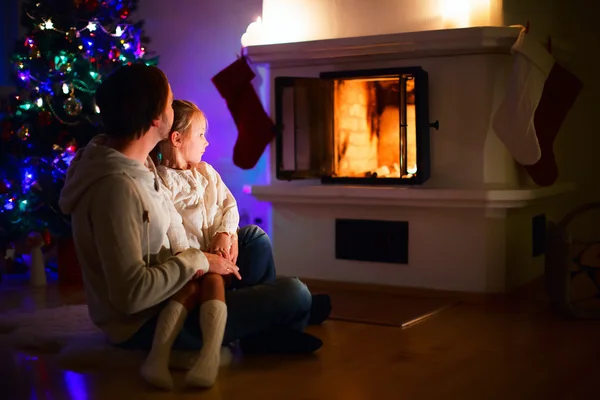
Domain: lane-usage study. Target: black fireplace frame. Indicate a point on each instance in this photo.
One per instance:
(317, 172)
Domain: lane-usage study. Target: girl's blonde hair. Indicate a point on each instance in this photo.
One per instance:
(184, 113)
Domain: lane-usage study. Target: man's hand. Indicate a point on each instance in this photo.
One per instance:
(221, 266)
(220, 245)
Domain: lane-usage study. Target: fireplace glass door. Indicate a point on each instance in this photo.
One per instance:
(366, 127)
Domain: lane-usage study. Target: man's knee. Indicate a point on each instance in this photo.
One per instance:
(251, 233)
(293, 294)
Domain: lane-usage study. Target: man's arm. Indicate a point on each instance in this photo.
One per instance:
(116, 214)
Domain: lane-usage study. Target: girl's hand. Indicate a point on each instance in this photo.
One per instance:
(220, 245)
(233, 251)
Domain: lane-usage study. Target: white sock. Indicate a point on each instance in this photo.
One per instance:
(213, 317)
(514, 120)
(156, 367)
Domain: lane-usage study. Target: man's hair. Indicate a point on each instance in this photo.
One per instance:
(130, 99)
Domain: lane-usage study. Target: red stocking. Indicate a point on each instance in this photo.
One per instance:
(560, 92)
(255, 128)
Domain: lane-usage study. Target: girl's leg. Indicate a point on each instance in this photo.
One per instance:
(213, 317)
(170, 322)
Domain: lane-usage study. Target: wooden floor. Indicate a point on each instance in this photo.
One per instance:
(506, 348)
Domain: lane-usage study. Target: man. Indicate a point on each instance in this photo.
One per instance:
(119, 222)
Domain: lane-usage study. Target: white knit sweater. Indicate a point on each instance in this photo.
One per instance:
(205, 204)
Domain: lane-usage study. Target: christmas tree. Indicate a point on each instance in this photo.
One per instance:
(69, 47)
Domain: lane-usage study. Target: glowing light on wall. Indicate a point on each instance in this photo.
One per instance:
(466, 13)
(285, 21)
(290, 20)
(456, 13)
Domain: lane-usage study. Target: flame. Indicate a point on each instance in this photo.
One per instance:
(254, 34)
(368, 141)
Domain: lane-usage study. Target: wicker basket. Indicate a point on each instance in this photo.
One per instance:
(564, 263)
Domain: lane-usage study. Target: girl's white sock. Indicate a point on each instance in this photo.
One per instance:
(155, 369)
(213, 317)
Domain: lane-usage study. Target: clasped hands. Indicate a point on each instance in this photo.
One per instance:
(222, 255)
(225, 246)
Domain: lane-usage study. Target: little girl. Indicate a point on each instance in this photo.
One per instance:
(210, 221)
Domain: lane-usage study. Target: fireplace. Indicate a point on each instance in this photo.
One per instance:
(361, 127)
(463, 220)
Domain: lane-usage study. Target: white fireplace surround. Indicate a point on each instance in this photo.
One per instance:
(470, 225)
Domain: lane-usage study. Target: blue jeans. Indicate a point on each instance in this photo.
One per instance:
(257, 303)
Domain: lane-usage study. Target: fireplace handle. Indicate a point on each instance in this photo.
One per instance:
(435, 125)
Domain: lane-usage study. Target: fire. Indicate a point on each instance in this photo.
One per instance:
(368, 139)
(253, 34)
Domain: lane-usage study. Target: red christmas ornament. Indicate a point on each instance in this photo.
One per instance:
(125, 13)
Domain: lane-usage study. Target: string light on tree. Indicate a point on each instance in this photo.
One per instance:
(68, 48)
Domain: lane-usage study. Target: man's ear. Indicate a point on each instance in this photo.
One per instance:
(176, 139)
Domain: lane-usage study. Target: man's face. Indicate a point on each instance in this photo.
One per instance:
(166, 118)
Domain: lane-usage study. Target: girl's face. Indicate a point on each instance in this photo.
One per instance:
(195, 143)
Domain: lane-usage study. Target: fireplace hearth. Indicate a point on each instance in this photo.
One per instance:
(360, 127)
